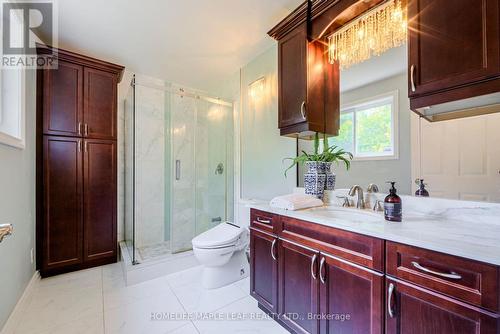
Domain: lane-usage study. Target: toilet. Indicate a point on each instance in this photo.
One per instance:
(222, 252)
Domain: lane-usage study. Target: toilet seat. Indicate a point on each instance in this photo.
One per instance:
(221, 236)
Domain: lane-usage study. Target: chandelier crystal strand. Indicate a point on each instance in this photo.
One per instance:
(370, 35)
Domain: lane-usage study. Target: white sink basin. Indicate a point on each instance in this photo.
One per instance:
(354, 215)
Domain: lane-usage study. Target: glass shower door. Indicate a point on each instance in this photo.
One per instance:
(211, 166)
(199, 148)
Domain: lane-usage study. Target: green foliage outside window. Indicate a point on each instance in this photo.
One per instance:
(373, 131)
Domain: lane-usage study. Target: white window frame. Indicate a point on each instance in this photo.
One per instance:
(352, 107)
(6, 138)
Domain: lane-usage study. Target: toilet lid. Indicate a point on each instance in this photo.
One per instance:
(221, 235)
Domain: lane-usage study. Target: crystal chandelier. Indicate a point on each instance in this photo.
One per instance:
(371, 34)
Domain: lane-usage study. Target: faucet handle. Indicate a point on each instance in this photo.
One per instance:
(372, 188)
(378, 206)
(346, 203)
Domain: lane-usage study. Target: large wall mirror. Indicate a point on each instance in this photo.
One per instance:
(458, 159)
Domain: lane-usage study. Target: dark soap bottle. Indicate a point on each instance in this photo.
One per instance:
(421, 192)
(393, 207)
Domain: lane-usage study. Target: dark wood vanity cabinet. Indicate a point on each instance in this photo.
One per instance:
(76, 163)
(412, 309)
(453, 50)
(318, 279)
(316, 291)
(264, 273)
(298, 287)
(352, 296)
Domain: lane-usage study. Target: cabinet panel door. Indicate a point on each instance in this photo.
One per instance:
(99, 199)
(298, 287)
(62, 108)
(63, 224)
(292, 55)
(264, 269)
(351, 298)
(419, 311)
(452, 43)
(100, 104)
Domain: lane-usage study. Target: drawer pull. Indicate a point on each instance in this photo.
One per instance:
(390, 310)
(321, 265)
(412, 78)
(451, 275)
(303, 110)
(313, 269)
(273, 250)
(263, 221)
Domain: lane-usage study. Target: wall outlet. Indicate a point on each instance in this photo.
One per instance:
(32, 254)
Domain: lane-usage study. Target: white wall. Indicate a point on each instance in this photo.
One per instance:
(17, 206)
(262, 148)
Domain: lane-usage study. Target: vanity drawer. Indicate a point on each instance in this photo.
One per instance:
(356, 248)
(474, 282)
(264, 221)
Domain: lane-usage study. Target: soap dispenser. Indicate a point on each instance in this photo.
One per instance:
(421, 192)
(393, 209)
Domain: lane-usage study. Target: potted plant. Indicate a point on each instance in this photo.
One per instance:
(333, 154)
(318, 176)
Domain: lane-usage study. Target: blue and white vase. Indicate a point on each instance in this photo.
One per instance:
(330, 176)
(314, 179)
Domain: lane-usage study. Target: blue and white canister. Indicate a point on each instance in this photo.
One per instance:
(314, 180)
(330, 176)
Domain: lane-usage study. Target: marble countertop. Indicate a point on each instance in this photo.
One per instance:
(472, 233)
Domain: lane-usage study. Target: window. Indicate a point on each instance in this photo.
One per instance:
(12, 97)
(368, 128)
(12, 129)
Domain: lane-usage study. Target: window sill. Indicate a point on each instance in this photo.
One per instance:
(379, 158)
(11, 141)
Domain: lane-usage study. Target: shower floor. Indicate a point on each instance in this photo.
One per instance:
(154, 251)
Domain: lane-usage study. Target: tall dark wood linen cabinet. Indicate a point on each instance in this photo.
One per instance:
(76, 164)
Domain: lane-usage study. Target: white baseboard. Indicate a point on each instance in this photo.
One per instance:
(21, 305)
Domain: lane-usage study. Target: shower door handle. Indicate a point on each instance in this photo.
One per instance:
(177, 170)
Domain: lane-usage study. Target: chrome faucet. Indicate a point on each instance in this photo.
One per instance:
(360, 203)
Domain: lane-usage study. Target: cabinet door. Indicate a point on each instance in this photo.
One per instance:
(298, 287)
(264, 269)
(292, 55)
(414, 310)
(99, 199)
(62, 108)
(451, 43)
(351, 298)
(99, 104)
(63, 225)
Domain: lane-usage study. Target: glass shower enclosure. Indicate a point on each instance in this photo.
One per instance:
(178, 167)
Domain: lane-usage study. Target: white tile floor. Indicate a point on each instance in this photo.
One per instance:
(96, 301)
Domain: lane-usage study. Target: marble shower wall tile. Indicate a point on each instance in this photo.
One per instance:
(150, 166)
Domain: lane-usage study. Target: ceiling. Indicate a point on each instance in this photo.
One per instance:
(190, 42)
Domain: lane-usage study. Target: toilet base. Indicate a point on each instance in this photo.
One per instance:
(235, 269)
